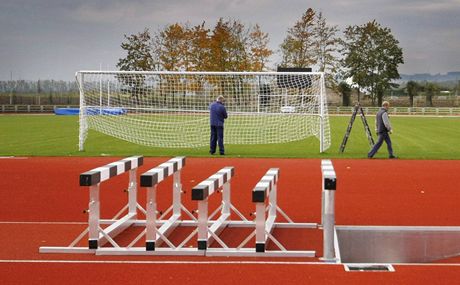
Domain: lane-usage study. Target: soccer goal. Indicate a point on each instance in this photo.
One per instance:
(170, 109)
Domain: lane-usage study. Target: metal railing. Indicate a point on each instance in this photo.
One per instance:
(340, 110)
(416, 111)
(32, 108)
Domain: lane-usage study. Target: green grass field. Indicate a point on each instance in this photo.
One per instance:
(50, 135)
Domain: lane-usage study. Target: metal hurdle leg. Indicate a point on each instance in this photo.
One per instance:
(132, 192)
(328, 226)
(264, 227)
(203, 224)
(260, 227)
(326, 164)
(151, 217)
(94, 216)
(328, 212)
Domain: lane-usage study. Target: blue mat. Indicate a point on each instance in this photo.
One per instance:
(90, 111)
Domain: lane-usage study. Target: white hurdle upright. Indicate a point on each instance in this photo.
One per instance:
(207, 234)
(326, 164)
(97, 236)
(328, 210)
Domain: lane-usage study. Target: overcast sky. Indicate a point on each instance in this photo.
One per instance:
(52, 39)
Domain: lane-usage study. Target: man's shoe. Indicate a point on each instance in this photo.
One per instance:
(370, 157)
(393, 157)
(222, 153)
(211, 153)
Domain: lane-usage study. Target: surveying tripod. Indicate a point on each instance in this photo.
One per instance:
(357, 109)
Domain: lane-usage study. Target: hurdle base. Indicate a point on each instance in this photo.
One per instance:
(61, 249)
(157, 251)
(329, 260)
(251, 252)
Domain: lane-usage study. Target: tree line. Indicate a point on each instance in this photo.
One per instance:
(368, 53)
(39, 86)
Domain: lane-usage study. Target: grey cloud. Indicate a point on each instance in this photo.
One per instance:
(54, 38)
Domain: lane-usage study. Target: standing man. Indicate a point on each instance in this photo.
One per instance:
(218, 114)
(383, 129)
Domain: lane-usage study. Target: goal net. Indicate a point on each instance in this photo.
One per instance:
(170, 109)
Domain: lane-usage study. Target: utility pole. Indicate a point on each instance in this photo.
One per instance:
(456, 91)
(11, 89)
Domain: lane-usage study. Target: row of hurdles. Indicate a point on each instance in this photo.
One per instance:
(159, 226)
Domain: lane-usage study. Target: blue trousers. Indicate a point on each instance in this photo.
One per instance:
(382, 137)
(217, 135)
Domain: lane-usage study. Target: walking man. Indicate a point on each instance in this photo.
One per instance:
(218, 114)
(383, 129)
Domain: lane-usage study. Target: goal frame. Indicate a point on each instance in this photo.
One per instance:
(83, 123)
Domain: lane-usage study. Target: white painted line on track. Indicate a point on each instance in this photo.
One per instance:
(12, 157)
(43, 223)
(166, 262)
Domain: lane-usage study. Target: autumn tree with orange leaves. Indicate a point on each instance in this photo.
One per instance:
(228, 46)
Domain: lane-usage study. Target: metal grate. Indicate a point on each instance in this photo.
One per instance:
(369, 267)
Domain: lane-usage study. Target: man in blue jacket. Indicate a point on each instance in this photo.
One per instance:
(383, 129)
(218, 114)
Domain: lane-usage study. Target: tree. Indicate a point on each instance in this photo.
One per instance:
(297, 49)
(412, 90)
(139, 52)
(228, 42)
(326, 50)
(200, 50)
(345, 91)
(139, 58)
(258, 49)
(172, 47)
(372, 56)
(431, 89)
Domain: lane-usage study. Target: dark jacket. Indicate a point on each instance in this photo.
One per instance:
(218, 114)
(382, 121)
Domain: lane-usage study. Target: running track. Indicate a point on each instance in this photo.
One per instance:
(41, 205)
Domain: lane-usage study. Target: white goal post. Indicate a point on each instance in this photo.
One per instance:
(170, 109)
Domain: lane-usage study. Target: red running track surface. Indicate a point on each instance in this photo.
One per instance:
(41, 204)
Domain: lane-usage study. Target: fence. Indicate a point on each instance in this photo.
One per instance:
(416, 111)
(33, 108)
(342, 110)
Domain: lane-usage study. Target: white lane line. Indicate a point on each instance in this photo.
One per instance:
(44, 223)
(208, 262)
(12, 157)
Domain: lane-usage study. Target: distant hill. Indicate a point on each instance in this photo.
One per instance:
(450, 76)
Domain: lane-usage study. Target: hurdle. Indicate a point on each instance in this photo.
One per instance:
(266, 188)
(329, 186)
(264, 195)
(151, 179)
(97, 236)
(201, 192)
